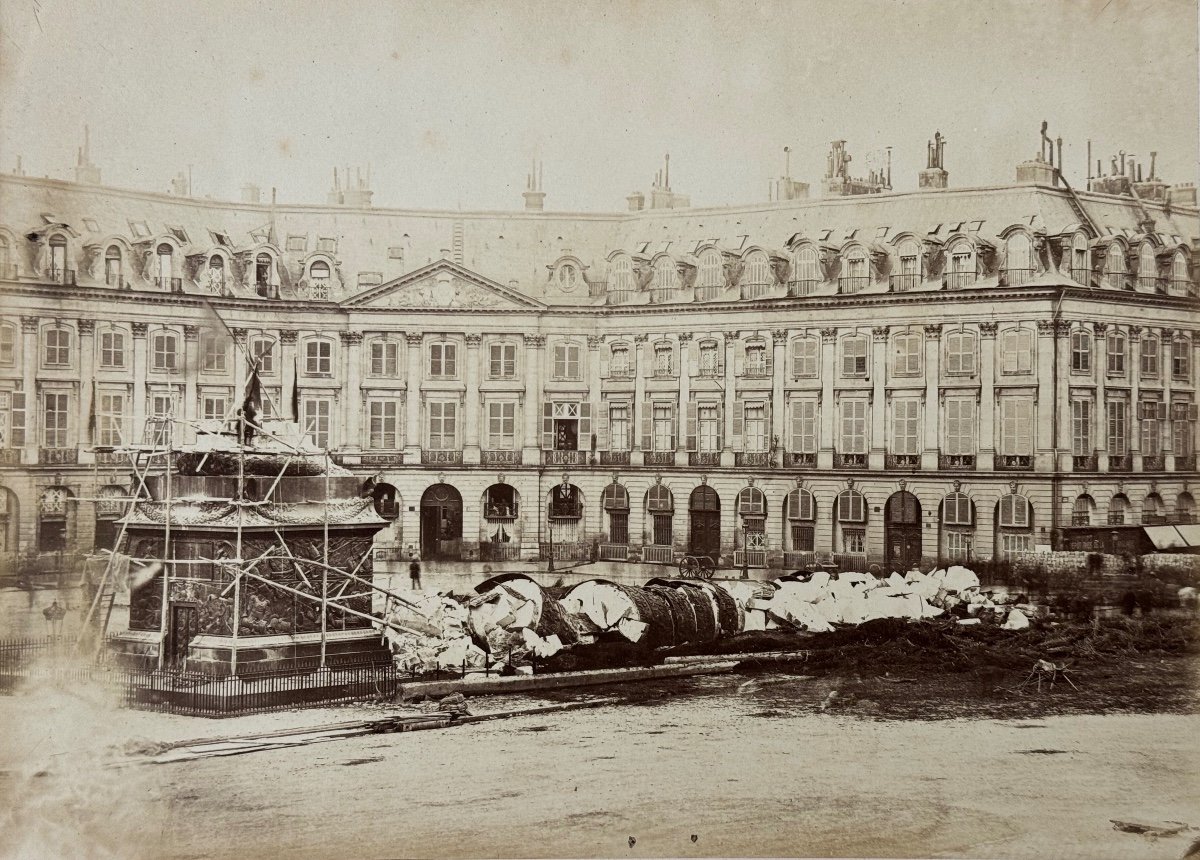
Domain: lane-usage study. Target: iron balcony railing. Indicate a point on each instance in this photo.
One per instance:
(500, 458)
(704, 458)
(1151, 284)
(755, 370)
(620, 297)
(66, 277)
(1084, 463)
(614, 458)
(441, 458)
(497, 551)
(10, 456)
(754, 291)
(1081, 519)
(904, 283)
(169, 285)
(663, 296)
(1081, 275)
(564, 458)
(620, 372)
(960, 280)
(1185, 463)
(902, 461)
(1154, 464)
(1116, 518)
(709, 294)
(566, 551)
(849, 461)
(800, 559)
(1013, 462)
(1182, 287)
(956, 461)
(58, 456)
(381, 458)
(803, 286)
(849, 284)
(1120, 463)
(758, 459)
(659, 458)
(800, 458)
(1017, 277)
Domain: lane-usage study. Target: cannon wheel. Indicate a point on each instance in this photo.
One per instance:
(688, 567)
(706, 567)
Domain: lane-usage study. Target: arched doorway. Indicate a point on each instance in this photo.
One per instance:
(500, 525)
(902, 524)
(441, 522)
(110, 507)
(704, 511)
(56, 520)
(564, 523)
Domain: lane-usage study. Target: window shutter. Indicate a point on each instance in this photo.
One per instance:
(767, 423)
(1162, 411)
(18, 419)
(739, 359)
(1193, 410)
(604, 359)
(674, 426)
(693, 358)
(769, 358)
(693, 425)
(547, 426)
(585, 426)
(720, 361)
(738, 421)
(602, 439)
(648, 425)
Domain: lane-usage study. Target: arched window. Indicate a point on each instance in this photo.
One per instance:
(1147, 269)
(1014, 518)
(806, 271)
(165, 266)
(318, 280)
(1114, 266)
(568, 277)
(660, 505)
(1181, 283)
(615, 502)
(751, 505)
(58, 258)
(1081, 511)
(54, 513)
(216, 273)
(666, 276)
(958, 526)
(1019, 268)
(850, 516)
(909, 275)
(757, 275)
(711, 270)
(262, 275)
(621, 274)
(751, 502)
(960, 265)
(1148, 353)
(1080, 271)
(6, 258)
(1185, 508)
(1153, 511)
(113, 266)
(1118, 509)
(856, 270)
(800, 514)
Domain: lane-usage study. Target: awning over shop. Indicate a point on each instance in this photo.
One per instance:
(1173, 537)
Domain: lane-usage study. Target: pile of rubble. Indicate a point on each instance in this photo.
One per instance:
(512, 621)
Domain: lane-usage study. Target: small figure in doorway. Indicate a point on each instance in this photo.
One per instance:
(414, 573)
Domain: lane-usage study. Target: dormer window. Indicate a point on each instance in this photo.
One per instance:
(856, 274)
(710, 277)
(58, 258)
(1080, 273)
(621, 275)
(1147, 269)
(757, 277)
(164, 254)
(1019, 269)
(1181, 284)
(568, 277)
(318, 280)
(1114, 266)
(806, 271)
(262, 275)
(112, 266)
(961, 269)
(909, 275)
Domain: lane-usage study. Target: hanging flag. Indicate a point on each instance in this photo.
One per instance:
(295, 389)
(252, 405)
(92, 415)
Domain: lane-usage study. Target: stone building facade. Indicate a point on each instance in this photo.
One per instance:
(889, 378)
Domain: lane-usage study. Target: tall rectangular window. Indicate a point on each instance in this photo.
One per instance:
(1116, 353)
(854, 427)
(162, 406)
(163, 351)
(443, 360)
(960, 353)
(906, 356)
(566, 361)
(756, 360)
(112, 349)
(1016, 351)
(12, 419)
(1081, 351)
(212, 351)
(55, 415)
(1118, 427)
(443, 425)
(854, 356)
(1081, 427)
(904, 426)
(1149, 358)
(1183, 430)
(1181, 361)
(709, 420)
(213, 407)
(804, 427)
(1151, 426)
(263, 348)
(317, 412)
(110, 419)
(618, 426)
(8, 341)
(710, 359)
(58, 347)
(318, 358)
(806, 357)
(756, 427)
(382, 422)
(502, 360)
(960, 425)
(664, 427)
(1016, 426)
(502, 426)
(385, 358)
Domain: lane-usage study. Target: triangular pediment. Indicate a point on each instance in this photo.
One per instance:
(439, 285)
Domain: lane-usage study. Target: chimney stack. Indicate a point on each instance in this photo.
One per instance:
(535, 197)
(86, 173)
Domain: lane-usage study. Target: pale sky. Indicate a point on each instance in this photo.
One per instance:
(448, 101)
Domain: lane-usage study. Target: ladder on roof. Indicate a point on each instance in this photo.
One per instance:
(1077, 207)
(1145, 222)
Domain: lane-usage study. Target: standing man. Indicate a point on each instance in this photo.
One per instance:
(414, 572)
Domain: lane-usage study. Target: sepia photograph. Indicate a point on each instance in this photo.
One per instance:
(608, 429)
